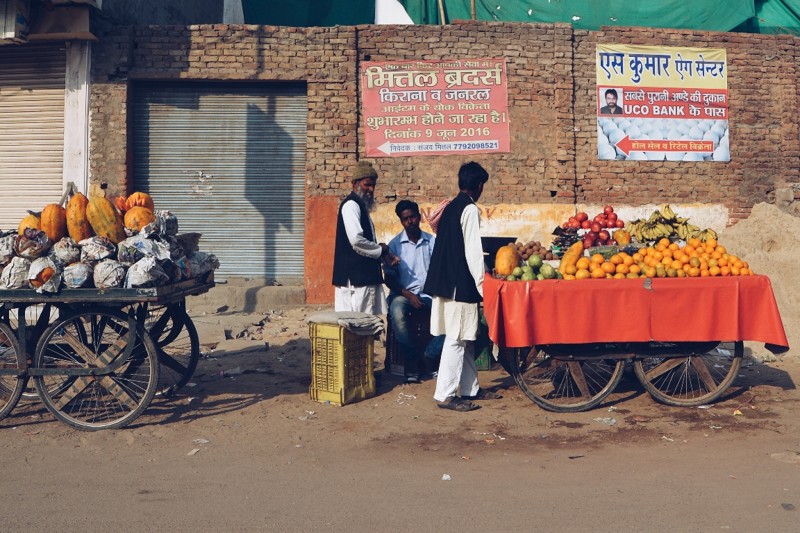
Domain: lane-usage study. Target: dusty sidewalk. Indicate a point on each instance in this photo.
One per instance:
(244, 448)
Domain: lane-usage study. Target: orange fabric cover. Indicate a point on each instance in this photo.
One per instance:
(527, 313)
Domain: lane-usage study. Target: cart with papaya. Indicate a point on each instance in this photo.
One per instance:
(97, 357)
(566, 342)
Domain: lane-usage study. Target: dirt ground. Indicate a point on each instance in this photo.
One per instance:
(244, 448)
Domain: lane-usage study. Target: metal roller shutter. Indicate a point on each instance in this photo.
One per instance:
(31, 128)
(229, 161)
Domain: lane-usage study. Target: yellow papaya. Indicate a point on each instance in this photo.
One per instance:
(571, 256)
(54, 222)
(105, 219)
(506, 260)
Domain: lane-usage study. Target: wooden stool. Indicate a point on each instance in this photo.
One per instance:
(420, 327)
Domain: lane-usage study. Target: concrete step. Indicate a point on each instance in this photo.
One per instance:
(246, 296)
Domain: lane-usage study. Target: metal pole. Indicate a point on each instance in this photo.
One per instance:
(472, 13)
(441, 11)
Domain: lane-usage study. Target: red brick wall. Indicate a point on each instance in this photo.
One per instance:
(551, 83)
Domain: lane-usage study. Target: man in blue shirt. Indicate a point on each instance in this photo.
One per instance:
(406, 280)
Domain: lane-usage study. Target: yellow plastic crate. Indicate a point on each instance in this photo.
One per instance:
(341, 365)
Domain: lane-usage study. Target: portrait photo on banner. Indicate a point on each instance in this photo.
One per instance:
(610, 101)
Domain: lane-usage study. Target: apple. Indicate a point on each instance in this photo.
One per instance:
(588, 241)
(581, 216)
(620, 223)
(612, 217)
(604, 235)
(608, 210)
(586, 224)
(596, 227)
(574, 224)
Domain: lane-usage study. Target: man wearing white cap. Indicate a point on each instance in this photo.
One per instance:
(357, 275)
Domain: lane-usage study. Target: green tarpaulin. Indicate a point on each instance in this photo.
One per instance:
(754, 16)
(711, 15)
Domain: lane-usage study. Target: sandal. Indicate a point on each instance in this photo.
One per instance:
(458, 404)
(484, 394)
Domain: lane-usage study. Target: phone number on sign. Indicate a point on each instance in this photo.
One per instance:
(483, 145)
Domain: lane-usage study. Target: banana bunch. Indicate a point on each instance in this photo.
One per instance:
(665, 223)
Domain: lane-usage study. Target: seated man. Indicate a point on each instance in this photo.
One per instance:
(405, 281)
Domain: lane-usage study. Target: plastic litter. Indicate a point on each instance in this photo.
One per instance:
(446, 477)
(607, 421)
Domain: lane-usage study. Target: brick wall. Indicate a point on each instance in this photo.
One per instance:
(551, 88)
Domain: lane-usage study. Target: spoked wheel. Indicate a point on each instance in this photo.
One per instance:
(565, 385)
(11, 383)
(694, 375)
(178, 346)
(117, 349)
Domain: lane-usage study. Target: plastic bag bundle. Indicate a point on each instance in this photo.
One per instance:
(32, 243)
(175, 250)
(175, 270)
(15, 274)
(7, 249)
(44, 275)
(201, 263)
(135, 248)
(96, 249)
(66, 251)
(165, 224)
(146, 273)
(77, 275)
(108, 274)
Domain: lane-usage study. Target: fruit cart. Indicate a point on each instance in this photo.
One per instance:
(566, 343)
(97, 357)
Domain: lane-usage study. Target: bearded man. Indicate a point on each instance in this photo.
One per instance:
(357, 275)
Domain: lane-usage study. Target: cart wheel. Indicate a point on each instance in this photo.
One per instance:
(565, 386)
(37, 318)
(97, 339)
(11, 385)
(693, 379)
(175, 337)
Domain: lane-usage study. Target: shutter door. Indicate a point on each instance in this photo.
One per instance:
(31, 128)
(229, 161)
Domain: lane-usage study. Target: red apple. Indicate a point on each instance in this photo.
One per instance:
(608, 210)
(620, 223)
(612, 217)
(604, 235)
(596, 227)
(586, 224)
(581, 216)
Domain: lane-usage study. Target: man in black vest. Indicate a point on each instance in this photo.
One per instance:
(455, 281)
(357, 256)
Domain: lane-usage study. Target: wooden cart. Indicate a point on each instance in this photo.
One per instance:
(566, 343)
(97, 357)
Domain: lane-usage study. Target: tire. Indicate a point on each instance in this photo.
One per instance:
(690, 379)
(565, 385)
(11, 385)
(96, 339)
(178, 346)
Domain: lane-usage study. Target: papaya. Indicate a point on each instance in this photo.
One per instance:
(138, 217)
(571, 256)
(106, 221)
(31, 220)
(119, 203)
(54, 222)
(506, 260)
(78, 226)
(141, 199)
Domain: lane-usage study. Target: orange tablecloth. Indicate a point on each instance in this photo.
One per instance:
(527, 313)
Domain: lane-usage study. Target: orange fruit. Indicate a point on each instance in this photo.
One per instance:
(627, 260)
(711, 243)
(704, 273)
(583, 263)
(570, 269)
(735, 271)
(664, 242)
(676, 264)
(650, 272)
(694, 242)
(725, 270)
(582, 273)
(632, 275)
(637, 257)
(619, 275)
(569, 276)
(694, 262)
(598, 273)
(721, 249)
(672, 272)
(681, 273)
(598, 259)
(623, 269)
(693, 272)
(616, 259)
(608, 267)
(634, 269)
(714, 270)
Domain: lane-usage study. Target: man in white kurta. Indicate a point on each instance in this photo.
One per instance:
(455, 281)
(357, 278)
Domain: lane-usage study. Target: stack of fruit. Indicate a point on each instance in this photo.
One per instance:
(598, 230)
(102, 243)
(531, 249)
(664, 260)
(664, 223)
(510, 266)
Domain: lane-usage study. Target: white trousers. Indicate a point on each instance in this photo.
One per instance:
(367, 299)
(457, 370)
